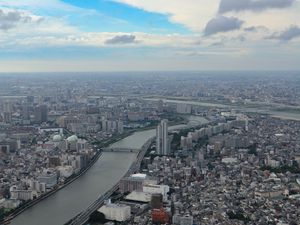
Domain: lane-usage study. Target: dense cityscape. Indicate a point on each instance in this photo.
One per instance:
(149, 112)
(223, 149)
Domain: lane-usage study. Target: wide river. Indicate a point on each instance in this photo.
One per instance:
(104, 174)
(264, 108)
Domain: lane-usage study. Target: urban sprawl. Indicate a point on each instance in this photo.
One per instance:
(239, 165)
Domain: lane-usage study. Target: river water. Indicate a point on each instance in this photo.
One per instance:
(68, 202)
(264, 108)
(103, 175)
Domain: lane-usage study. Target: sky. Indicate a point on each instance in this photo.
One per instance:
(149, 35)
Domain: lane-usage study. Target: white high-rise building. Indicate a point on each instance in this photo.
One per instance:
(162, 139)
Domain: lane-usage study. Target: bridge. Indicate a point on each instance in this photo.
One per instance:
(83, 217)
(121, 150)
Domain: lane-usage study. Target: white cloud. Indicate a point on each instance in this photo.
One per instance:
(192, 13)
(38, 5)
(195, 14)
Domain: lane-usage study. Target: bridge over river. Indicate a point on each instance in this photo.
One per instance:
(87, 193)
(121, 150)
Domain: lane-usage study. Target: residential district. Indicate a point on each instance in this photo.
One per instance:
(241, 166)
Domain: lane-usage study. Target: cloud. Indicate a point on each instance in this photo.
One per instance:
(252, 5)
(37, 5)
(122, 39)
(222, 24)
(103, 39)
(290, 33)
(10, 19)
(250, 29)
(254, 29)
(193, 14)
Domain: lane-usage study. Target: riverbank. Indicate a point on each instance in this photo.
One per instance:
(283, 112)
(83, 216)
(28, 205)
(13, 214)
(107, 172)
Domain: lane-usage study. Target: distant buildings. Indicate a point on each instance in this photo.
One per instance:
(41, 113)
(112, 126)
(162, 139)
(184, 108)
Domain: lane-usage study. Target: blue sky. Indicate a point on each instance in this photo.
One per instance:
(126, 35)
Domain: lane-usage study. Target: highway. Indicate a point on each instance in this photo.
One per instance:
(83, 217)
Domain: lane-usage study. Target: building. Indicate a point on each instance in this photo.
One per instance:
(160, 216)
(156, 201)
(116, 212)
(184, 108)
(17, 194)
(7, 117)
(182, 220)
(50, 179)
(112, 126)
(25, 112)
(162, 139)
(41, 113)
(160, 106)
(37, 186)
(157, 189)
(65, 121)
(135, 183)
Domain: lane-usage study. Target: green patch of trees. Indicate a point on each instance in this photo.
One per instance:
(97, 217)
(238, 216)
(282, 169)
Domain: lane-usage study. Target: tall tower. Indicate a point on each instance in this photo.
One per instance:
(165, 139)
(158, 140)
(162, 140)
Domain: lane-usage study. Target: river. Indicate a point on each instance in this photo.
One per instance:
(265, 109)
(103, 175)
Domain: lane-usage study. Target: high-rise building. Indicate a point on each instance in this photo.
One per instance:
(160, 106)
(41, 113)
(120, 127)
(30, 100)
(112, 126)
(7, 115)
(184, 108)
(162, 139)
(25, 112)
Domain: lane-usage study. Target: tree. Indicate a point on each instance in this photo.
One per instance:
(97, 217)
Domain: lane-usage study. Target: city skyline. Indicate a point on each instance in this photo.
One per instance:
(139, 35)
